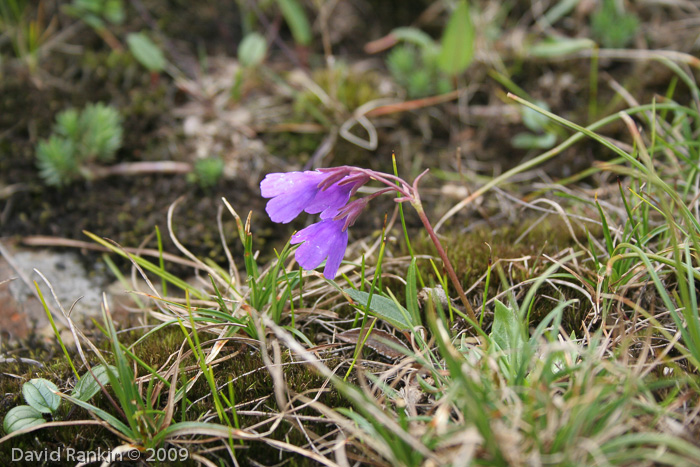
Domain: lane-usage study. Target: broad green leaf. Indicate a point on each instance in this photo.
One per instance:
(41, 394)
(507, 333)
(146, 51)
(93, 21)
(20, 417)
(507, 328)
(383, 308)
(295, 16)
(508, 337)
(252, 50)
(457, 45)
(558, 46)
(87, 386)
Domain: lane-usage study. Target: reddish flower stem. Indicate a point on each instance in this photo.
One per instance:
(445, 261)
(411, 194)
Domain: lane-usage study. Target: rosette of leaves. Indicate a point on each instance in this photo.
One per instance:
(78, 140)
(612, 26)
(56, 161)
(415, 69)
(100, 132)
(425, 67)
(42, 397)
(207, 172)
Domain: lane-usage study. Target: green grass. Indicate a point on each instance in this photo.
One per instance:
(585, 351)
(589, 343)
(573, 367)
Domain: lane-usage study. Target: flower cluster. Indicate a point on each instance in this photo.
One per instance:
(326, 192)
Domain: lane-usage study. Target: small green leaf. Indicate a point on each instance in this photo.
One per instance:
(507, 329)
(84, 14)
(383, 308)
(114, 11)
(559, 46)
(508, 339)
(146, 51)
(457, 45)
(41, 394)
(401, 61)
(295, 16)
(612, 25)
(533, 141)
(20, 417)
(87, 386)
(208, 171)
(412, 292)
(414, 36)
(534, 120)
(252, 50)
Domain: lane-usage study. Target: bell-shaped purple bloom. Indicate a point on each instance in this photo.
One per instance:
(294, 192)
(329, 201)
(326, 192)
(290, 192)
(327, 239)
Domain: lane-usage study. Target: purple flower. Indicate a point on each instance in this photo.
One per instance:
(326, 192)
(329, 201)
(294, 192)
(325, 239)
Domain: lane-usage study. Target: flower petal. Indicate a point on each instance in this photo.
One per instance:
(313, 251)
(276, 184)
(290, 192)
(336, 254)
(284, 208)
(329, 201)
(325, 239)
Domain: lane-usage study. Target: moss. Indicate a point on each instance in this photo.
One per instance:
(251, 382)
(470, 255)
(56, 369)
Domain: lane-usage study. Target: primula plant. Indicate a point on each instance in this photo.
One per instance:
(327, 192)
